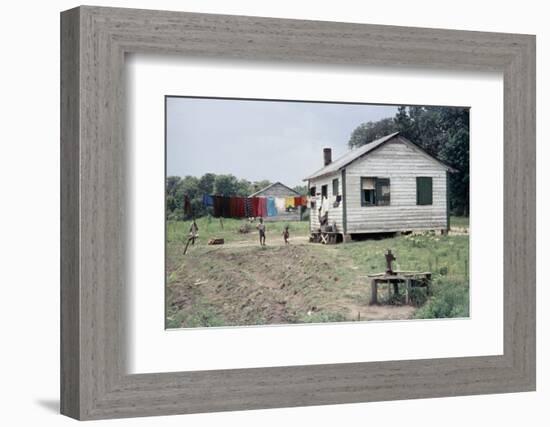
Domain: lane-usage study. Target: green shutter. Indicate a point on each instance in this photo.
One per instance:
(382, 191)
(424, 190)
(335, 187)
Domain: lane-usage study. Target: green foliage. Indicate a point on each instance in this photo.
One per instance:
(441, 131)
(368, 132)
(322, 317)
(301, 189)
(450, 299)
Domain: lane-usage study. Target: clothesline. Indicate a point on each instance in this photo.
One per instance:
(247, 207)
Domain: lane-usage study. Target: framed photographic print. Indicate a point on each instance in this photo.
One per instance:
(261, 213)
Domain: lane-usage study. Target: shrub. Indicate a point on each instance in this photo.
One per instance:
(450, 299)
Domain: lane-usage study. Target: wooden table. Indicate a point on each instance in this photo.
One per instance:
(409, 278)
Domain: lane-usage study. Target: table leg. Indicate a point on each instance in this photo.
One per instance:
(374, 291)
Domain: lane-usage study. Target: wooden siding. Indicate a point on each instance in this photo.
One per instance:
(276, 190)
(402, 163)
(334, 214)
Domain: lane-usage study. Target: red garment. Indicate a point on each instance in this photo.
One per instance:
(255, 203)
(240, 207)
(262, 207)
(297, 201)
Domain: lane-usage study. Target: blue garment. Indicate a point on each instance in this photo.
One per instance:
(271, 208)
(207, 200)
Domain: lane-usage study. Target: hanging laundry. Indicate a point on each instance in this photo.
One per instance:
(280, 204)
(271, 208)
(226, 210)
(187, 205)
(255, 206)
(207, 200)
(289, 202)
(248, 207)
(218, 206)
(324, 205)
(262, 207)
(241, 212)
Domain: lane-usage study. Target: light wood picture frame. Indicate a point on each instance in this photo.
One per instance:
(94, 382)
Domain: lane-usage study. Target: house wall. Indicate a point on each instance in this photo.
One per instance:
(402, 163)
(334, 214)
(277, 190)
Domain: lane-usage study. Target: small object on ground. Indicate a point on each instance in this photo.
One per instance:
(244, 228)
(216, 241)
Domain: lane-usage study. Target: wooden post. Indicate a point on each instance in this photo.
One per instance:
(374, 291)
(389, 290)
(408, 291)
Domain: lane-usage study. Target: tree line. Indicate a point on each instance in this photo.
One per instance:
(209, 183)
(443, 132)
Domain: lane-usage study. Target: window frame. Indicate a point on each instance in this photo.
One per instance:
(378, 199)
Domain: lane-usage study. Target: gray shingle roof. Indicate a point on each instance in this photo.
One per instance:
(290, 190)
(349, 157)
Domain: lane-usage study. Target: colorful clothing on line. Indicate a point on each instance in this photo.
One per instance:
(187, 205)
(207, 200)
(289, 202)
(248, 212)
(280, 204)
(271, 208)
(262, 207)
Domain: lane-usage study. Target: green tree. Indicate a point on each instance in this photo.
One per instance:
(206, 183)
(258, 185)
(226, 185)
(301, 189)
(368, 132)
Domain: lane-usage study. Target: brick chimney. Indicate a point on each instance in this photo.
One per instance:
(327, 156)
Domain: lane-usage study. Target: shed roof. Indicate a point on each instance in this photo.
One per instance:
(356, 153)
(290, 190)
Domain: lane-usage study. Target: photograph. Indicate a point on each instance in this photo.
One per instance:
(282, 212)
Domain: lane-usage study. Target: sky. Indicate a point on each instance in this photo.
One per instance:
(255, 140)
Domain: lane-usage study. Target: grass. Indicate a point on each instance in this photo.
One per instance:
(460, 222)
(209, 227)
(241, 283)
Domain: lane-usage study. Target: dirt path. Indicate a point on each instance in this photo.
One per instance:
(270, 242)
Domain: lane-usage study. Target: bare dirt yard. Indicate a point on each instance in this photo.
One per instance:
(242, 283)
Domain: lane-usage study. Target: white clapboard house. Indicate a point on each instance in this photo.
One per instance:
(388, 185)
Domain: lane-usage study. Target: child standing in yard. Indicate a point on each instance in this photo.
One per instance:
(261, 230)
(286, 235)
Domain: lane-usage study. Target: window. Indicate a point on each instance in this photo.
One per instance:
(324, 190)
(375, 191)
(424, 190)
(312, 191)
(335, 187)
